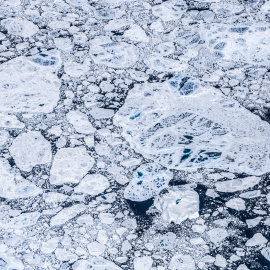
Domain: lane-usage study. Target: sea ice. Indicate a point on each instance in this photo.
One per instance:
(148, 180)
(30, 149)
(66, 214)
(143, 263)
(27, 85)
(217, 235)
(182, 262)
(98, 263)
(178, 205)
(92, 184)
(10, 262)
(70, 165)
(174, 124)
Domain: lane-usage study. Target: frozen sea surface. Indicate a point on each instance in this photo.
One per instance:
(134, 135)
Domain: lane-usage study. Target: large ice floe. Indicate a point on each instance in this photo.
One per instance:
(183, 125)
(29, 84)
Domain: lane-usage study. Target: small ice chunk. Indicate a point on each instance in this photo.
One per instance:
(100, 113)
(80, 122)
(70, 165)
(237, 204)
(77, 3)
(63, 254)
(95, 248)
(30, 149)
(257, 240)
(54, 197)
(220, 261)
(182, 262)
(242, 267)
(19, 27)
(148, 180)
(85, 220)
(217, 235)
(250, 194)
(178, 206)
(237, 184)
(66, 214)
(144, 263)
(92, 184)
(4, 135)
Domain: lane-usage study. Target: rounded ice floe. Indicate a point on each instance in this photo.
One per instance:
(95, 263)
(28, 86)
(8, 261)
(237, 184)
(148, 180)
(236, 204)
(92, 184)
(144, 263)
(257, 240)
(70, 165)
(136, 33)
(30, 149)
(106, 52)
(177, 206)
(95, 248)
(80, 122)
(175, 124)
(19, 27)
(182, 262)
(217, 235)
(170, 11)
(11, 189)
(76, 69)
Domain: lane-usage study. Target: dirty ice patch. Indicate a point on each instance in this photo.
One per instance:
(177, 206)
(106, 52)
(148, 180)
(28, 86)
(174, 123)
(70, 165)
(30, 149)
(13, 186)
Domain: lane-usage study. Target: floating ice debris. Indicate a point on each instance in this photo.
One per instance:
(75, 69)
(80, 122)
(148, 180)
(49, 246)
(136, 33)
(30, 149)
(266, 253)
(113, 54)
(217, 235)
(95, 263)
(12, 188)
(96, 249)
(92, 184)
(257, 240)
(237, 184)
(236, 204)
(182, 262)
(27, 86)
(49, 59)
(100, 113)
(66, 214)
(177, 206)
(20, 27)
(70, 165)
(188, 131)
(4, 135)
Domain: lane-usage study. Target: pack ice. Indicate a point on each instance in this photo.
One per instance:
(182, 125)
